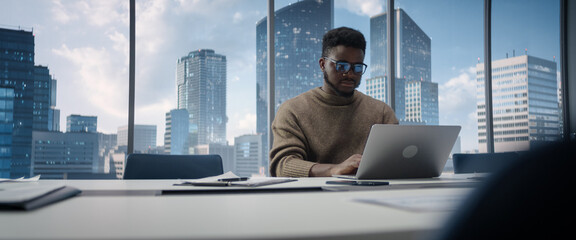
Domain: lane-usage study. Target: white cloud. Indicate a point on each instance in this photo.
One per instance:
(241, 124)
(61, 13)
(457, 103)
(458, 93)
(96, 13)
(363, 7)
(121, 44)
(151, 28)
(205, 8)
(238, 17)
(99, 80)
(102, 13)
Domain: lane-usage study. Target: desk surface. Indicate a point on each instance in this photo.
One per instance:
(294, 215)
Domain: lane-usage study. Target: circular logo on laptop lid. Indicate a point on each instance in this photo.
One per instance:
(410, 151)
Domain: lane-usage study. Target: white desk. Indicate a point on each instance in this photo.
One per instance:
(294, 215)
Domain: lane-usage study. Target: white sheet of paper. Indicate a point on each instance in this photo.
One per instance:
(252, 182)
(213, 178)
(260, 181)
(22, 179)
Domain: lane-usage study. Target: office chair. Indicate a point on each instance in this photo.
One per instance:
(529, 199)
(153, 166)
(482, 162)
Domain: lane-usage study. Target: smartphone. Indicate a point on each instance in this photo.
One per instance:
(358, 183)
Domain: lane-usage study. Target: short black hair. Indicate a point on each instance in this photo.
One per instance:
(343, 36)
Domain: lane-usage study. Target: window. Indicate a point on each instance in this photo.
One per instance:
(60, 58)
(201, 73)
(526, 74)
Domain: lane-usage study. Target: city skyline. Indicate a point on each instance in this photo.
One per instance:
(85, 46)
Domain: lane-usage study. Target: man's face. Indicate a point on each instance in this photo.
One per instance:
(338, 83)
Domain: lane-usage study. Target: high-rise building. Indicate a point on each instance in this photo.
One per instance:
(45, 115)
(225, 151)
(42, 101)
(56, 154)
(524, 103)
(144, 138)
(79, 123)
(416, 96)
(299, 30)
(53, 112)
(17, 90)
(201, 81)
(106, 145)
(176, 134)
(247, 155)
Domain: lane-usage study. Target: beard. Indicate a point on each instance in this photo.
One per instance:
(338, 92)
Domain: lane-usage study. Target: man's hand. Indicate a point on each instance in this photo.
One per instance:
(349, 166)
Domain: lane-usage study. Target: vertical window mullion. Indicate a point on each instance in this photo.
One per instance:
(271, 72)
(488, 75)
(391, 53)
(131, 88)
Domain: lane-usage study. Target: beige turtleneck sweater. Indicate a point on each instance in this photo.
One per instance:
(317, 127)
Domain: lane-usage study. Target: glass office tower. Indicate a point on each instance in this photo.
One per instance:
(299, 30)
(247, 157)
(144, 137)
(79, 123)
(201, 81)
(42, 98)
(525, 103)
(416, 96)
(176, 134)
(57, 154)
(17, 95)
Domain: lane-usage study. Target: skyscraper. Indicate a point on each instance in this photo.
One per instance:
(56, 154)
(201, 81)
(525, 103)
(42, 101)
(144, 137)
(299, 30)
(176, 134)
(416, 96)
(79, 123)
(247, 155)
(17, 89)
(53, 112)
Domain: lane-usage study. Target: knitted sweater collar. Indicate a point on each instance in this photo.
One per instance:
(333, 100)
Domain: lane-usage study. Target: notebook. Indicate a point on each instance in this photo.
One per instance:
(405, 151)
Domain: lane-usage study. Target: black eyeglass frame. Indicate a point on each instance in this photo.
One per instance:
(347, 66)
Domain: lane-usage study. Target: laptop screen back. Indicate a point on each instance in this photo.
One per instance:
(406, 151)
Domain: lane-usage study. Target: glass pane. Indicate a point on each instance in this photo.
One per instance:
(525, 75)
(438, 46)
(196, 80)
(63, 86)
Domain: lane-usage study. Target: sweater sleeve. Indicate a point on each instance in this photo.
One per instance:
(389, 115)
(288, 153)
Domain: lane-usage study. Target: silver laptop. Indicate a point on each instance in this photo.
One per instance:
(405, 151)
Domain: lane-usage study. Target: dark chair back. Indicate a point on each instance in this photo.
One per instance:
(482, 162)
(528, 199)
(154, 166)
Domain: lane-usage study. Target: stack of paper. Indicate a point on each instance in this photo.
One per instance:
(251, 182)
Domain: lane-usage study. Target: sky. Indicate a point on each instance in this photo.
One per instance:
(85, 44)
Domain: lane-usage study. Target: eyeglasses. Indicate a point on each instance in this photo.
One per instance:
(344, 67)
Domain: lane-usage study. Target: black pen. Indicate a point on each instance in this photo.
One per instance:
(233, 179)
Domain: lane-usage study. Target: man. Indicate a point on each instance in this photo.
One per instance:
(322, 132)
